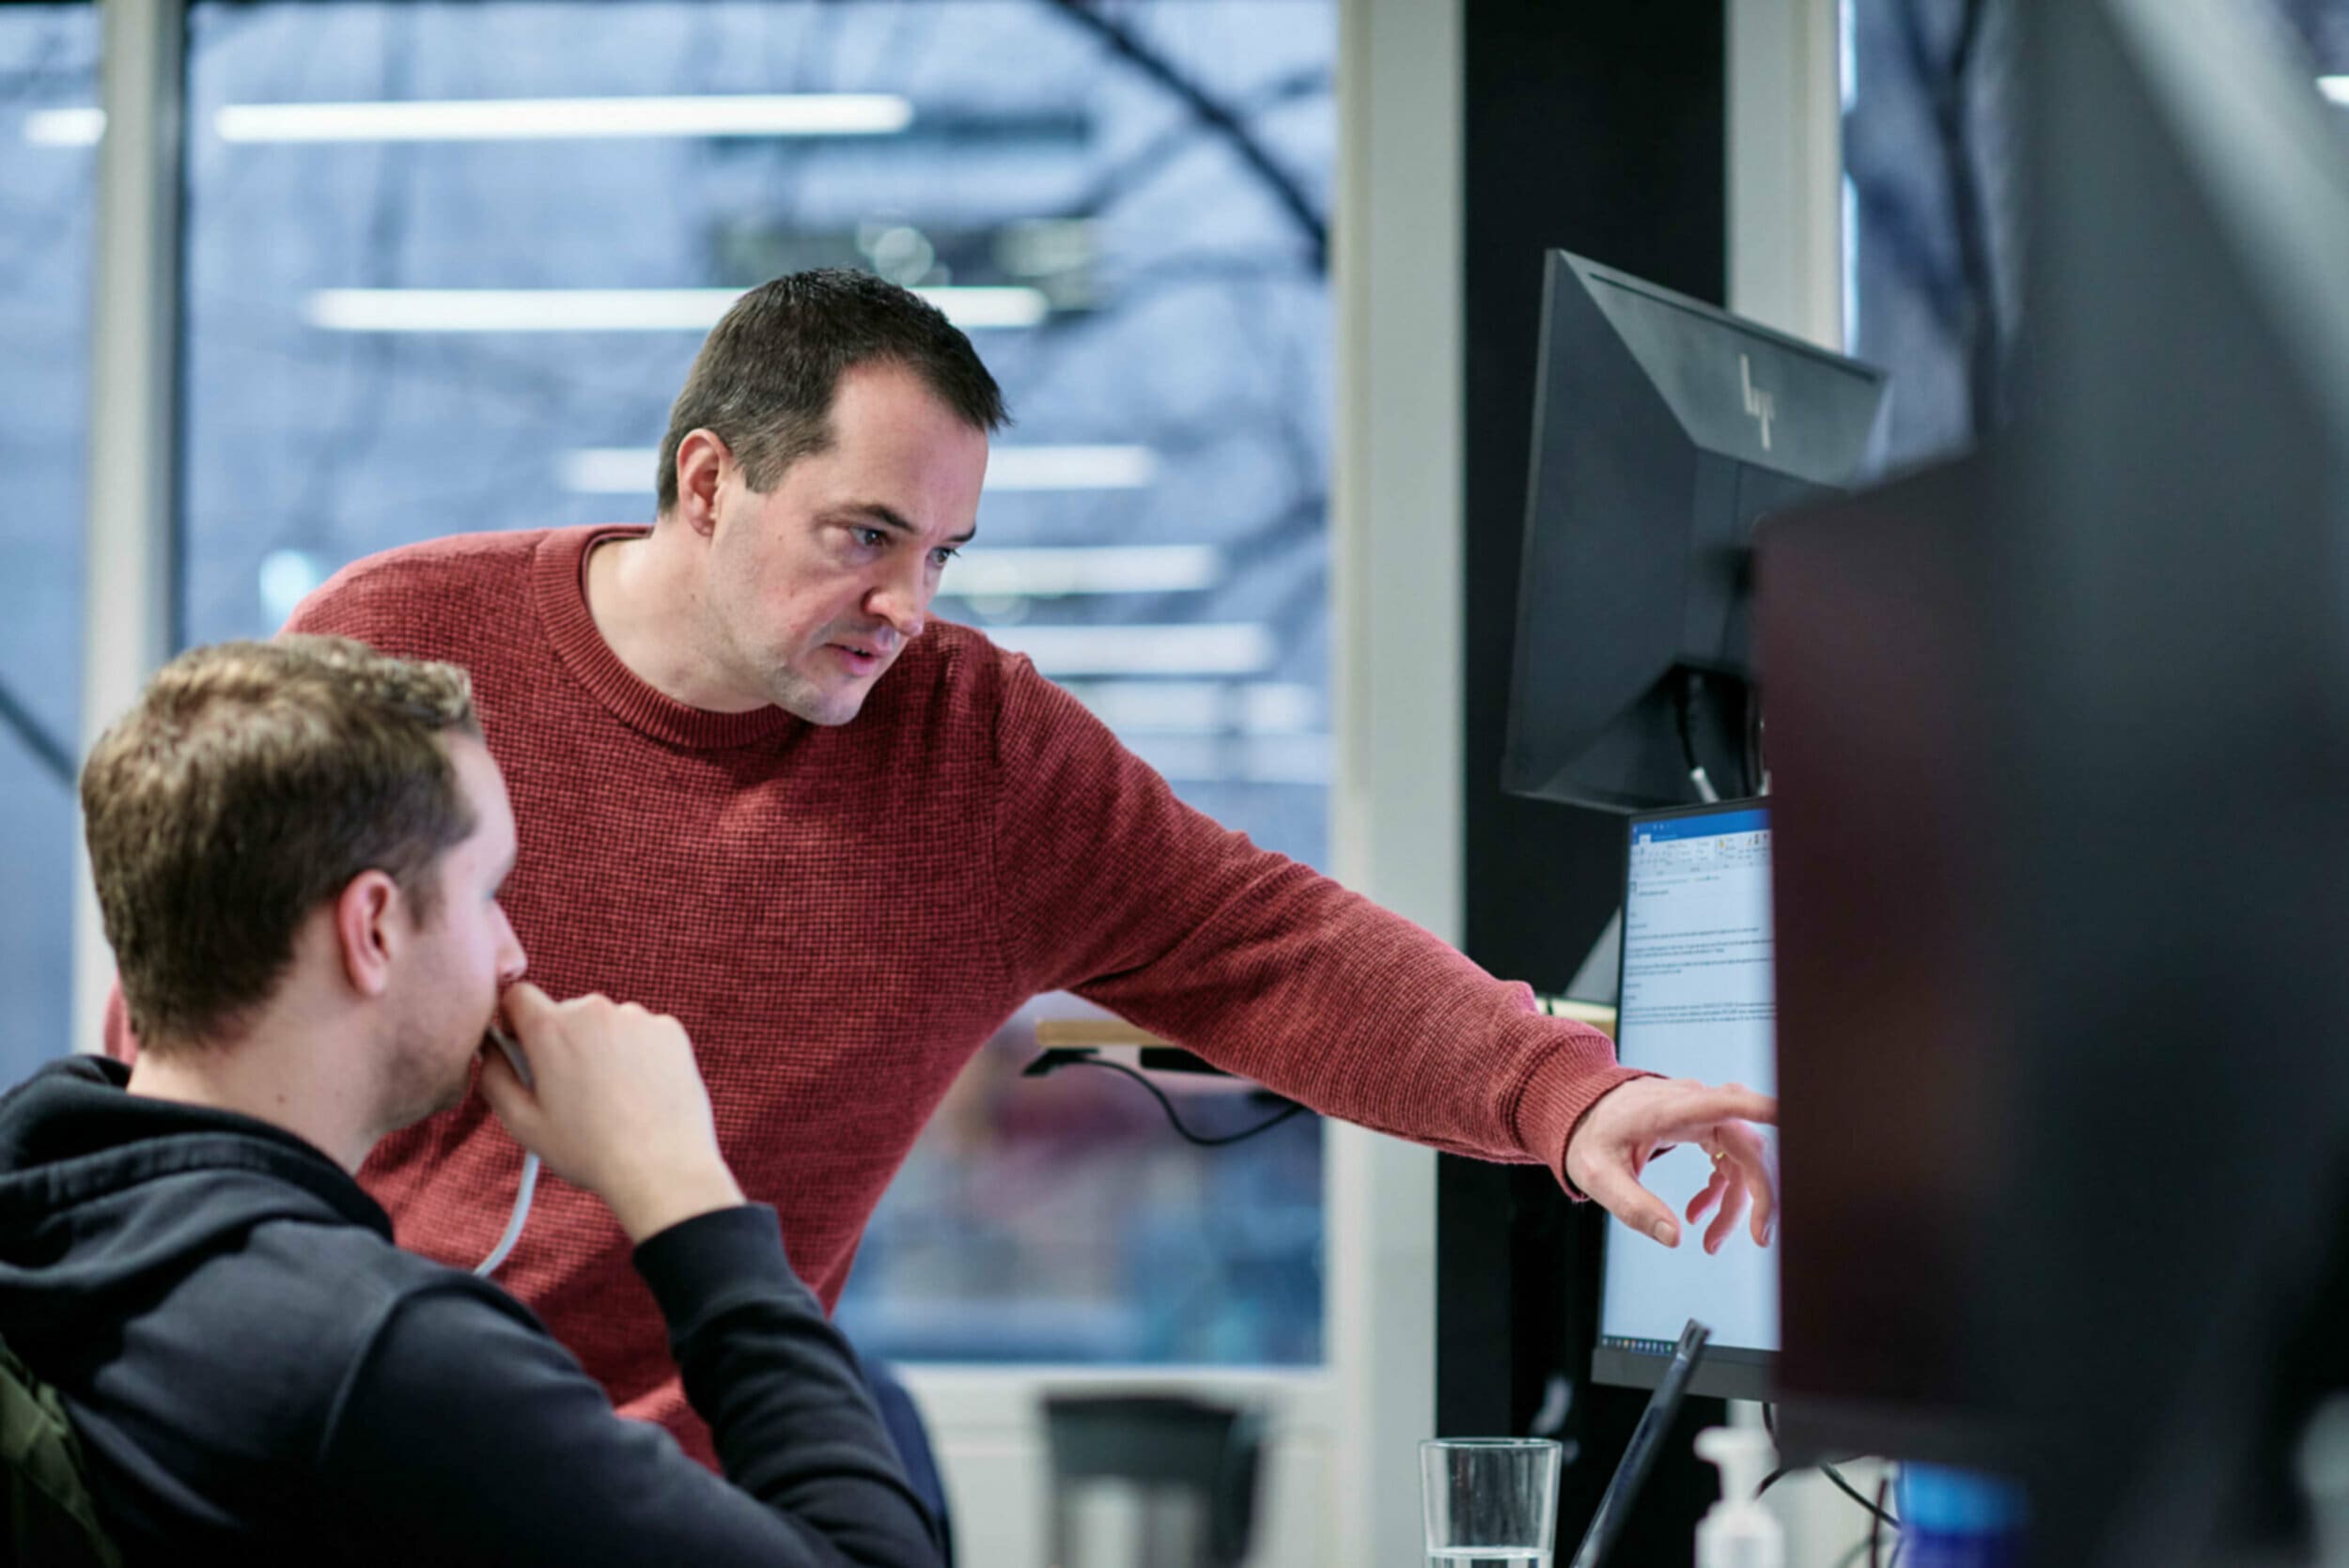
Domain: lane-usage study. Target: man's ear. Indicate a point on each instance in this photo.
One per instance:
(702, 460)
(365, 933)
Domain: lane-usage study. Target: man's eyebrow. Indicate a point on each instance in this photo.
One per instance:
(887, 517)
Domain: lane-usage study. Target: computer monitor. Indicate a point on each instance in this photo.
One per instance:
(1890, 1042)
(1662, 429)
(1697, 1000)
(2143, 703)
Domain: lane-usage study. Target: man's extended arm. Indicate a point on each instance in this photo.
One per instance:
(1114, 889)
(467, 1431)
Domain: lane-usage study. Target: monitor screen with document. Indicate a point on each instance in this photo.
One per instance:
(1697, 1001)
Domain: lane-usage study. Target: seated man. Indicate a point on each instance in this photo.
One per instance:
(298, 848)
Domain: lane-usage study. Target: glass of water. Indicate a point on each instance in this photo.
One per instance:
(1491, 1502)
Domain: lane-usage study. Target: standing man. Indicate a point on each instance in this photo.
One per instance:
(758, 790)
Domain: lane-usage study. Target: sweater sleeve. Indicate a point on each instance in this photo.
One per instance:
(1114, 889)
(468, 1429)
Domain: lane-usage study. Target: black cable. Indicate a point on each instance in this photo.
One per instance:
(1755, 768)
(1853, 1493)
(1168, 1106)
(1684, 710)
(1769, 1423)
(1876, 1528)
(1683, 700)
(1873, 1546)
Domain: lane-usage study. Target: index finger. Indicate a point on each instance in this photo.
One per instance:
(1752, 1155)
(525, 1004)
(1686, 1116)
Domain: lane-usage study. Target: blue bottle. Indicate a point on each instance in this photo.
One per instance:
(1958, 1519)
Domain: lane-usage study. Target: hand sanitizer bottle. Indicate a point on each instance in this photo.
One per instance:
(1737, 1531)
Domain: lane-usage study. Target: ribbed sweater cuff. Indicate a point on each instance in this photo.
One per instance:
(714, 1259)
(1559, 1094)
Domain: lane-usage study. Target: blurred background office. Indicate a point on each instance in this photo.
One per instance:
(1258, 278)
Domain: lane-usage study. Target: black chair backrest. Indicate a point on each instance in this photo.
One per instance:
(1161, 1443)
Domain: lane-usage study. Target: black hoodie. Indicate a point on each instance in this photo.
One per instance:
(258, 1375)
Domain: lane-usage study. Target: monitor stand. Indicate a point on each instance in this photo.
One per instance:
(1602, 967)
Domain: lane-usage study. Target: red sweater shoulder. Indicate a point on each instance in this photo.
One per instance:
(948, 669)
(431, 601)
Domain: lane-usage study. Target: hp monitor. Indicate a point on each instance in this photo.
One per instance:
(1662, 429)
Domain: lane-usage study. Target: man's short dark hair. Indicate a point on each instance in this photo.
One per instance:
(764, 380)
(248, 785)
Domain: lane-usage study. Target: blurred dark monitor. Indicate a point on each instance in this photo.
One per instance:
(2061, 742)
(1869, 614)
(1662, 429)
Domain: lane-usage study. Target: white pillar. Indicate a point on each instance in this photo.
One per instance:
(1395, 807)
(127, 609)
(1786, 166)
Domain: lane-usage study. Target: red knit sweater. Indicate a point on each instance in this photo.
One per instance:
(841, 916)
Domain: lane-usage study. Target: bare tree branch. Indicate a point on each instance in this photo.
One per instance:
(51, 752)
(1219, 118)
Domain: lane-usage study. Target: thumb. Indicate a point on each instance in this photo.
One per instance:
(1613, 1189)
(510, 1100)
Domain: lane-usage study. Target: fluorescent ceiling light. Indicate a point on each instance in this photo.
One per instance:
(1227, 649)
(287, 578)
(1288, 759)
(1071, 467)
(522, 120)
(542, 310)
(65, 127)
(984, 573)
(2335, 88)
(608, 470)
(628, 471)
(1201, 707)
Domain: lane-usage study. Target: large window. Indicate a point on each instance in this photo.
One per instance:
(429, 290)
(1929, 150)
(1932, 162)
(48, 182)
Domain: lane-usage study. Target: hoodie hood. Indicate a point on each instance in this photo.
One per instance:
(107, 1196)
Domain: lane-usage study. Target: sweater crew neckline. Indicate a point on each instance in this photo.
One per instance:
(559, 588)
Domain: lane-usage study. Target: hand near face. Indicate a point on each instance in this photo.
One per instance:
(617, 1106)
(1633, 1122)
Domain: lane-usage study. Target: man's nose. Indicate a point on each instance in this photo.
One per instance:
(903, 600)
(512, 960)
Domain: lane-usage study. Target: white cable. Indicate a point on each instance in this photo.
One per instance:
(514, 1225)
(529, 1186)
